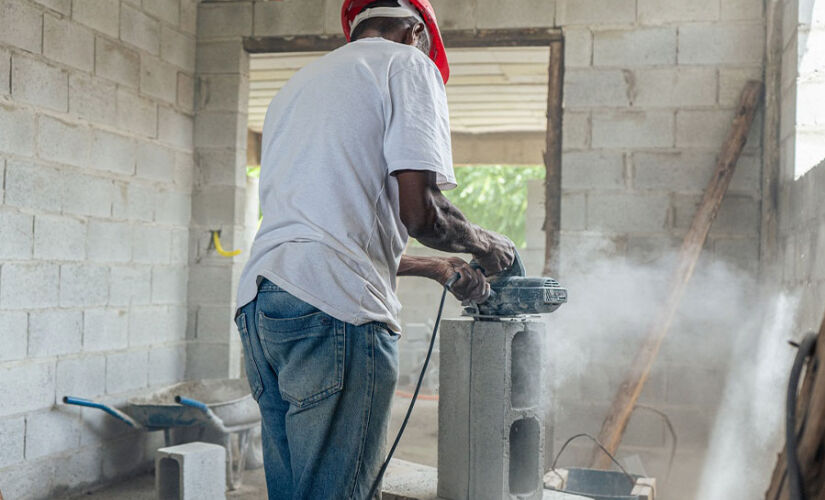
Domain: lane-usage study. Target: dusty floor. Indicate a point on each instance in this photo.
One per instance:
(418, 445)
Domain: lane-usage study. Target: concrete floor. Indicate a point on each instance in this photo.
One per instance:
(418, 445)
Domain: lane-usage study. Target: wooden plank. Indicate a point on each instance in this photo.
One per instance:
(531, 114)
(283, 60)
(525, 37)
(498, 129)
(298, 43)
(552, 182)
(618, 417)
(253, 148)
(498, 55)
(553, 159)
(532, 90)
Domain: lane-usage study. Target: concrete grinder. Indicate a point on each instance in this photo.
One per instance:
(512, 294)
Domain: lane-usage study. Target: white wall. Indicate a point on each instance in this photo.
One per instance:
(802, 178)
(96, 102)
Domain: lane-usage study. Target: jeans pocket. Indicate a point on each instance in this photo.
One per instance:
(383, 329)
(308, 354)
(253, 374)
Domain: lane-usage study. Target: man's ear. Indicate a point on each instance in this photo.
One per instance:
(413, 34)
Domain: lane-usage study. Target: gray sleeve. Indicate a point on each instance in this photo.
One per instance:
(417, 130)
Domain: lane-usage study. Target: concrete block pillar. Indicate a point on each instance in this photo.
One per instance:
(219, 202)
(491, 417)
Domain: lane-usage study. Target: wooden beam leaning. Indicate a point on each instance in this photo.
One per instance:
(616, 421)
(526, 37)
(553, 159)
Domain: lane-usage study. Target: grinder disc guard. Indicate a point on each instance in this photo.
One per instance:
(514, 294)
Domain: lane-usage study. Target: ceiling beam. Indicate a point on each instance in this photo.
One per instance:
(522, 37)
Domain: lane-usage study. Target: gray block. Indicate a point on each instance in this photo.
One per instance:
(139, 29)
(15, 235)
(101, 15)
(68, 43)
(39, 84)
(21, 25)
(116, 62)
(491, 415)
(17, 131)
(190, 471)
(13, 338)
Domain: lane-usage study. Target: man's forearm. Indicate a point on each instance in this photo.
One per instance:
(424, 267)
(451, 232)
(431, 219)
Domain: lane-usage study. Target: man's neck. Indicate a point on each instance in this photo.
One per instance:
(393, 37)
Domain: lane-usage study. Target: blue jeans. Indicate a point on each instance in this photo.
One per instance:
(325, 390)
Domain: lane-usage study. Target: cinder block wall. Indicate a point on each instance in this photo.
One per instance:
(801, 206)
(802, 246)
(96, 104)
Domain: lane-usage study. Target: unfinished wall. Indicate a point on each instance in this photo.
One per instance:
(96, 105)
(219, 197)
(96, 161)
(801, 207)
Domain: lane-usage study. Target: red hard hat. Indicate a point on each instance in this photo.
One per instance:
(352, 8)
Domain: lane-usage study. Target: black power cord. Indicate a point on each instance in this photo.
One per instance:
(449, 284)
(797, 486)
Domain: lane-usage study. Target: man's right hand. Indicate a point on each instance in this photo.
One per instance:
(499, 256)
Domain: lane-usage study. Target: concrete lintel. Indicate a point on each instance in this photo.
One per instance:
(505, 148)
(519, 37)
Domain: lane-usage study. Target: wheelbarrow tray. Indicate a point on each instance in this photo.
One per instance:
(229, 399)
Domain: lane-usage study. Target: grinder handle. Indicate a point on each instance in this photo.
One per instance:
(455, 277)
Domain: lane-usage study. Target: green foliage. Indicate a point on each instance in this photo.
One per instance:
(492, 196)
(495, 197)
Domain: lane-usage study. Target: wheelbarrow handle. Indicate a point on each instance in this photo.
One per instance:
(194, 403)
(70, 400)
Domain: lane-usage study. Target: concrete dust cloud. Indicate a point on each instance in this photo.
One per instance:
(749, 428)
(720, 375)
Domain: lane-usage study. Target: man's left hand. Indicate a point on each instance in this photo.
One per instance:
(472, 285)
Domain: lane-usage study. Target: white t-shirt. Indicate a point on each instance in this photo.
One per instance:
(332, 234)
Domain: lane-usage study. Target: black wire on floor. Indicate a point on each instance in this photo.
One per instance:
(670, 429)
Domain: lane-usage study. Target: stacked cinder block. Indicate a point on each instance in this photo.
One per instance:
(96, 158)
(219, 196)
(491, 413)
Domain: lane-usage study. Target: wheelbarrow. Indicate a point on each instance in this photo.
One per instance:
(224, 407)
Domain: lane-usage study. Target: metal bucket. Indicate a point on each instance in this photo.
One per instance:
(601, 484)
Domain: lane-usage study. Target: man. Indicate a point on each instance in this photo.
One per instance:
(356, 148)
